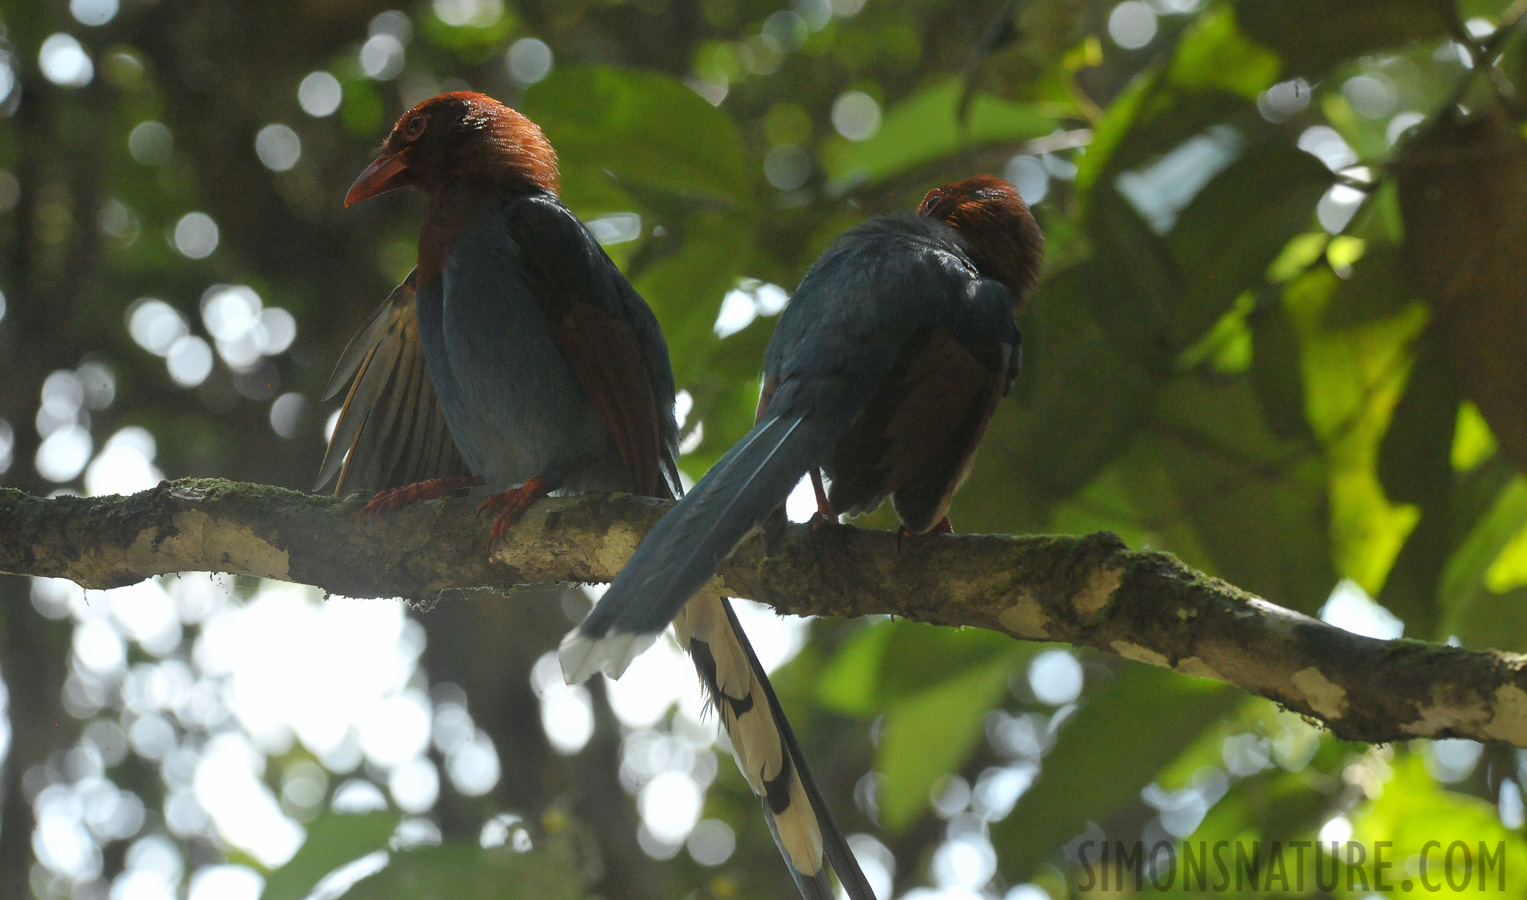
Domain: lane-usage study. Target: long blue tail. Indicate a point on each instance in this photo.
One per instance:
(679, 555)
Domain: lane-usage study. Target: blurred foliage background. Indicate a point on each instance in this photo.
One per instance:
(1281, 336)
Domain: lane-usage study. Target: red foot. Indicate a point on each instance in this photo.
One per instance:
(433, 489)
(515, 502)
(821, 520)
(943, 527)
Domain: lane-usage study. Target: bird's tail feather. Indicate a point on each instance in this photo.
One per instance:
(679, 555)
(766, 749)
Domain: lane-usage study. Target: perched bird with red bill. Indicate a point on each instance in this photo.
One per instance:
(546, 371)
(883, 374)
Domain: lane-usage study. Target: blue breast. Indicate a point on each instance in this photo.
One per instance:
(512, 403)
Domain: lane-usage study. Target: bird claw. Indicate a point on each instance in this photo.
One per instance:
(514, 502)
(430, 489)
(820, 520)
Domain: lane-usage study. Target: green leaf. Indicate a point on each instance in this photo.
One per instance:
(1135, 281)
(455, 871)
(333, 840)
(1377, 287)
(1466, 569)
(1079, 395)
(1105, 754)
(1415, 459)
(1313, 36)
(1237, 225)
(851, 682)
(643, 127)
(936, 686)
(924, 127)
(1213, 54)
(1275, 372)
(930, 732)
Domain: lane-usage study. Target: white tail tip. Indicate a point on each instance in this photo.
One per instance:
(581, 656)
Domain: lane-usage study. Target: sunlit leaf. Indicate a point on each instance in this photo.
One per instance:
(1213, 54)
(332, 841)
(1415, 816)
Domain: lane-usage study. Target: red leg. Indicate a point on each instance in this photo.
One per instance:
(514, 503)
(825, 515)
(432, 489)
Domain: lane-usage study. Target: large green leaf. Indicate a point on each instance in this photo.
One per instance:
(925, 127)
(1105, 754)
(333, 840)
(1257, 501)
(1313, 36)
(1226, 237)
(930, 734)
(643, 127)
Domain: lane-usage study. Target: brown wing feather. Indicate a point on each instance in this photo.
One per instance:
(918, 433)
(607, 360)
(391, 431)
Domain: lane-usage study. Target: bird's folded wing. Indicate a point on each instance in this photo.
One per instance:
(607, 335)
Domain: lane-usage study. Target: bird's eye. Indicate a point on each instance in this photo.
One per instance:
(414, 127)
(931, 199)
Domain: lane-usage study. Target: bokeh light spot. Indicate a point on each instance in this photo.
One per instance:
(278, 147)
(150, 143)
(64, 61)
(155, 325)
(226, 882)
(93, 12)
(1132, 24)
(1029, 176)
(319, 94)
(856, 115)
(529, 60)
(1373, 96)
(469, 13)
(670, 806)
(382, 57)
(189, 360)
(63, 454)
(787, 168)
(1055, 677)
(712, 842)
(196, 235)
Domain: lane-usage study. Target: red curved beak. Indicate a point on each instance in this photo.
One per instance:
(389, 171)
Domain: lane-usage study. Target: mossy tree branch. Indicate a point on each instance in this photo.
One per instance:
(1090, 591)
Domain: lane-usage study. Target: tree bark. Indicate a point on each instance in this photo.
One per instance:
(1090, 591)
